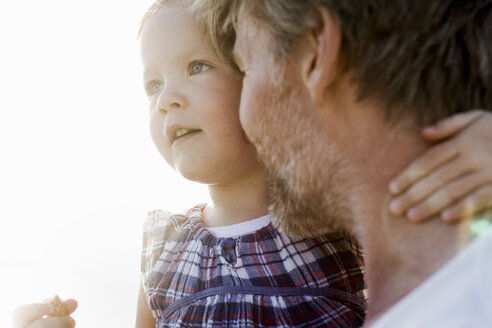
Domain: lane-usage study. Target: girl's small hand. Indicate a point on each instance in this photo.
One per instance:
(454, 178)
(38, 315)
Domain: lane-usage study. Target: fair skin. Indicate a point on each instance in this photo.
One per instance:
(38, 315)
(238, 190)
(199, 92)
(462, 161)
(341, 140)
(195, 90)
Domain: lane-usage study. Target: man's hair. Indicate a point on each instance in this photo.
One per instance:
(425, 58)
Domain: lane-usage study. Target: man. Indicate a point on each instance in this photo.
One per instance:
(331, 98)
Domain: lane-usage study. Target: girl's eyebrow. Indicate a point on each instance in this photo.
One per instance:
(146, 75)
(187, 54)
(191, 52)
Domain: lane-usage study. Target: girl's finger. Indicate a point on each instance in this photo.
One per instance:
(478, 201)
(25, 314)
(53, 322)
(70, 305)
(446, 196)
(451, 125)
(423, 165)
(428, 185)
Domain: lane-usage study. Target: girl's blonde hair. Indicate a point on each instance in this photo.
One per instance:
(200, 13)
(148, 15)
(158, 4)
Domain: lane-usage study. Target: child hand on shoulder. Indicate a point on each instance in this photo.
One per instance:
(453, 179)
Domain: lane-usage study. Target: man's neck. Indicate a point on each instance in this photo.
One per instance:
(399, 255)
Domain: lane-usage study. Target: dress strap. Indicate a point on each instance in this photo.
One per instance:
(270, 291)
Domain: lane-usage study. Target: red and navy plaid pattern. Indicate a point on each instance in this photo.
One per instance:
(261, 279)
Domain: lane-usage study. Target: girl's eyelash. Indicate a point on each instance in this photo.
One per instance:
(194, 62)
(145, 87)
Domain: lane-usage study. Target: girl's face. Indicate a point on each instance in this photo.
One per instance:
(194, 101)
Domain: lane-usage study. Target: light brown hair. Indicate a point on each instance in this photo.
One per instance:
(197, 11)
(424, 58)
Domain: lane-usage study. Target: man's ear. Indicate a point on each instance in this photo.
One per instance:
(323, 68)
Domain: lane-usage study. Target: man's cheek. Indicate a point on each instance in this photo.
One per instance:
(251, 107)
(244, 111)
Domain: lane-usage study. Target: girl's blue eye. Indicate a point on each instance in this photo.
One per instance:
(156, 87)
(153, 88)
(198, 67)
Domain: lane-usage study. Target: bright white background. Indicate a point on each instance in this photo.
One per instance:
(78, 171)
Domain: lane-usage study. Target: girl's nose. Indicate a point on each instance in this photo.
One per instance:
(171, 99)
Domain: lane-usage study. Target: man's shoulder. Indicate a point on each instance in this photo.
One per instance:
(457, 295)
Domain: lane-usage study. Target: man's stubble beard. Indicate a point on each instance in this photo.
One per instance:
(306, 174)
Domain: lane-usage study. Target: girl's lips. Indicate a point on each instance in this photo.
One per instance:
(185, 137)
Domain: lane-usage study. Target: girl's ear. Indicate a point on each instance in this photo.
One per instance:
(323, 67)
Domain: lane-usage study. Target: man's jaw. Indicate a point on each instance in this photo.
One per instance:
(316, 209)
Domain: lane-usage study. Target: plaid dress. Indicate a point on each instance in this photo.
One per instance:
(260, 279)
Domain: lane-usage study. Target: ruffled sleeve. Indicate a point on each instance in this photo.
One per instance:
(156, 228)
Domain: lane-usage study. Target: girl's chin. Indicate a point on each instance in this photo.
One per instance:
(191, 173)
